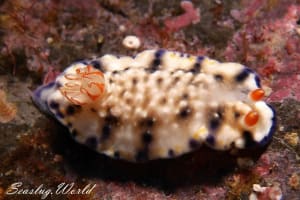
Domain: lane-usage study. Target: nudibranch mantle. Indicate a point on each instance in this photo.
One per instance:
(158, 104)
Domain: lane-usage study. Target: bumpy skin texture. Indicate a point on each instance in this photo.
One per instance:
(158, 104)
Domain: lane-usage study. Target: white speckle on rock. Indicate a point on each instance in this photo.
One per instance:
(122, 28)
(131, 42)
(49, 40)
(258, 188)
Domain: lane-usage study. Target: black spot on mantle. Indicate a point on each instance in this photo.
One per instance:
(243, 75)
(97, 64)
(147, 122)
(185, 112)
(147, 137)
(197, 66)
(215, 121)
(194, 144)
(218, 77)
(106, 130)
(157, 60)
(54, 105)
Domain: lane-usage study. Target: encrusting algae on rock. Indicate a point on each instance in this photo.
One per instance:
(158, 104)
(8, 110)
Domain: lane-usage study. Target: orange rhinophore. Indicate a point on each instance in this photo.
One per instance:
(86, 86)
(8, 110)
(251, 118)
(257, 94)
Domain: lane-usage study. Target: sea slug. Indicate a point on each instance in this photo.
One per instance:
(158, 104)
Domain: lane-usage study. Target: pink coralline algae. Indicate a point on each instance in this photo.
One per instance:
(270, 44)
(213, 193)
(266, 193)
(26, 33)
(50, 75)
(36, 34)
(191, 16)
(264, 166)
(248, 12)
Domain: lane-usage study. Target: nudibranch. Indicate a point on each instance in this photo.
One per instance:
(159, 104)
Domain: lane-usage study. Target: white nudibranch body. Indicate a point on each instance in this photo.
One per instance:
(159, 104)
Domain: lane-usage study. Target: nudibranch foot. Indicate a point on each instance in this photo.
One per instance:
(159, 104)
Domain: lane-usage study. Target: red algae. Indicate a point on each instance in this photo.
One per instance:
(266, 193)
(270, 44)
(248, 12)
(40, 35)
(50, 75)
(191, 16)
(264, 167)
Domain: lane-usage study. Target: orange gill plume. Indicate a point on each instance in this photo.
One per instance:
(85, 86)
(8, 110)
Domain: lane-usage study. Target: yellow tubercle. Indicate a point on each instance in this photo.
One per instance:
(207, 62)
(201, 133)
(172, 55)
(178, 149)
(192, 59)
